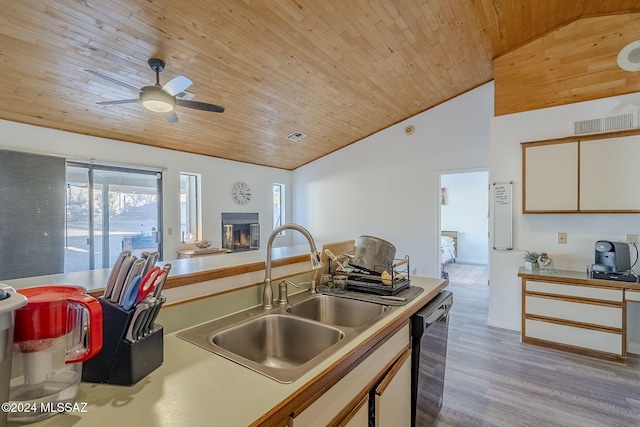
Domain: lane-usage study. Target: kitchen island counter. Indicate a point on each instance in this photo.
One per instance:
(197, 387)
(189, 271)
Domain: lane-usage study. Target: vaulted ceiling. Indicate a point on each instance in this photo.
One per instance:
(335, 70)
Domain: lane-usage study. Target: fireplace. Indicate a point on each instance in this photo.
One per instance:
(240, 231)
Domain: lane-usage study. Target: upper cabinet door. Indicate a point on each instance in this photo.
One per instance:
(609, 174)
(550, 177)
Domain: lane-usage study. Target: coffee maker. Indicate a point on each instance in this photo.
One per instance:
(613, 262)
(612, 257)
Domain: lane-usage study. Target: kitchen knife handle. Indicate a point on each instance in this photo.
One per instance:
(136, 269)
(136, 321)
(120, 279)
(147, 328)
(113, 276)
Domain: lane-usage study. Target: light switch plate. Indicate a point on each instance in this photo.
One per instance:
(631, 238)
(562, 238)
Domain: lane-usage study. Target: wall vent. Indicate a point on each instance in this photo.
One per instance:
(296, 136)
(605, 124)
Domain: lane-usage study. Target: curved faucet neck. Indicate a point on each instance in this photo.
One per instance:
(267, 295)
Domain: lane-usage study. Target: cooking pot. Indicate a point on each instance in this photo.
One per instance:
(10, 301)
(373, 254)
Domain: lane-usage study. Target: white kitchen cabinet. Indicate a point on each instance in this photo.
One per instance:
(359, 416)
(632, 295)
(347, 394)
(550, 177)
(590, 174)
(608, 174)
(587, 317)
(393, 395)
(579, 338)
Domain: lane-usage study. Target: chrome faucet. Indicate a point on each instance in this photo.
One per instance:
(267, 294)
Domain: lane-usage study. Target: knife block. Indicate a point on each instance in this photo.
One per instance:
(122, 362)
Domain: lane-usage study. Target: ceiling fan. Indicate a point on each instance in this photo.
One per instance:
(160, 99)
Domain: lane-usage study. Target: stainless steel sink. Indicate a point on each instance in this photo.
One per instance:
(286, 342)
(338, 311)
(277, 340)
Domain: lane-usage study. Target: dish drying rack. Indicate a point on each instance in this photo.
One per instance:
(371, 281)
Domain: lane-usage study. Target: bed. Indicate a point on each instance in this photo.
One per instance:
(448, 246)
(448, 249)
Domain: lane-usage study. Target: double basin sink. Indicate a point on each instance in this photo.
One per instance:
(286, 342)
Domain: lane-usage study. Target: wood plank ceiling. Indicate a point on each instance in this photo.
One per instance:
(336, 70)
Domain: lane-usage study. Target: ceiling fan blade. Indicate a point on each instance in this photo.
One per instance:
(112, 80)
(121, 101)
(171, 117)
(200, 105)
(177, 85)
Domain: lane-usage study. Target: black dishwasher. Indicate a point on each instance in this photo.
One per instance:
(429, 331)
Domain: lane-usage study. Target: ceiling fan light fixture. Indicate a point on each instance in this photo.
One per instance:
(156, 100)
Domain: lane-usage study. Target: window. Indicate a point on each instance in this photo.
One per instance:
(110, 209)
(278, 205)
(189, 207)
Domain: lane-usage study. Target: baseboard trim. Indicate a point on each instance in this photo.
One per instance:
(475, 262)
(503, 325)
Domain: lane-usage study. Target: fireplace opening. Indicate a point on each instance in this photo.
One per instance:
(240, 231)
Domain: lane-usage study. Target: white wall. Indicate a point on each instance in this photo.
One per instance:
(218, 176)
(466, 212)
(539, 232)
(388, 184)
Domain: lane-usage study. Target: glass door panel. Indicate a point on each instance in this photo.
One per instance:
(126, 214)
(123, 213)
(77, 241)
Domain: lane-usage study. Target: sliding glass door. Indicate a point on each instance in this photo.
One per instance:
(110, 209)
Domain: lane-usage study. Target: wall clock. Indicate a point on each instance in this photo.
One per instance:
(241, 193)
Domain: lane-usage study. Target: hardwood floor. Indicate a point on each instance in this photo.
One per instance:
(493, 380)
(467, 275)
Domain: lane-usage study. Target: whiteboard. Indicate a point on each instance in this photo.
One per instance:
(502, 216)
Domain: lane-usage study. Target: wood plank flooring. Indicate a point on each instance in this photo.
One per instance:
(467, 275)
(493, 380)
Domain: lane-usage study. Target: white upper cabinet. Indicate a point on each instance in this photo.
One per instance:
(550, 178)
(592, 175)
(609, 174)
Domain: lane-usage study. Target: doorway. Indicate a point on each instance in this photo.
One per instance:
(109, 210)
(464, 227)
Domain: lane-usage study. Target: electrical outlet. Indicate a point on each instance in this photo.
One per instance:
(631, 238)
(562, 238)
(170, 231)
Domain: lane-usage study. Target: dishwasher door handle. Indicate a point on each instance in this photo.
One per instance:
(431, 313)
(437, 315)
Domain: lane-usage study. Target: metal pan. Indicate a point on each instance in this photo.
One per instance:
(373, 254)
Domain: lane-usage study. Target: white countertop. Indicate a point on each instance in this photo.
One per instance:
(194, 386)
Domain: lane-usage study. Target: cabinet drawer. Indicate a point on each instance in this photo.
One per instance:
(632, 295)
(607, 342)
(575, 291)
(574, 311)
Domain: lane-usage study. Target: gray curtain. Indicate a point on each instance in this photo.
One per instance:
(32, 207)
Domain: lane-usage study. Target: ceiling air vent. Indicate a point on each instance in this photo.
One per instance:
(605, 124)
(187, 96)
(296, 136)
